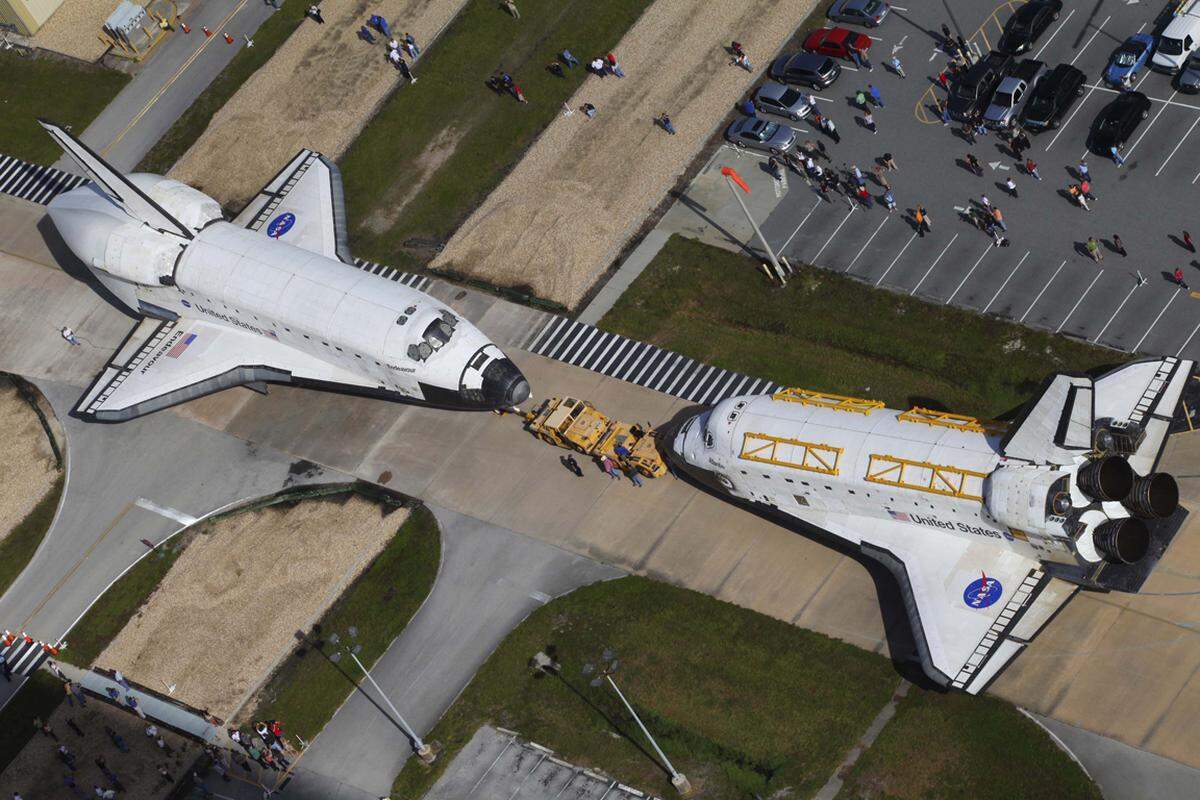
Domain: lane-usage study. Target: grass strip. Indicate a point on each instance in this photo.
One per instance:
(950, 745)
(830, 333)
(188, 128)
(68, 92)
(436, 149)
(22, 542)
(308, 687)
(40, 695)
(741, 703)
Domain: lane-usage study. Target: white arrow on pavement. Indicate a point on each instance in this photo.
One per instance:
(934, 54)
(1131, 2)
(997, 165)
(961, 210)
(896, 48)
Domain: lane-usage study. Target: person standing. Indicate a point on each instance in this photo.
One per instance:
(1187, 242)
(402, 65)
(1011, 187)
(897, 67)
(635, 478)
(943, 78)
(69, 336)
(876, 97)
(1084, 173)
(985, 202)
(614, 66)
(881, 178)
(665, 122)
(869, 121)
(924, 224)
(1085, 189)
(314, 12)
(998, 218)
(411, 43)
(1118, 245)
(832, 130)
(945, 112)
(511, 8)
(974, 164)
(1179, 278)
(1093, 249)
(569, 59)
(1115, 152)
(889, 200)
(1032, 168)
(860, 99)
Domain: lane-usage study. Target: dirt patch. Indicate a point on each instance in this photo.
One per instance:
(581, 190)
(318, 91)
(227, 611)
(428, 163)
(27, 469)
(74, 29)
(38, 772)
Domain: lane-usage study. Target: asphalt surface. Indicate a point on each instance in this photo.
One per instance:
(1044, 278)
(166, 84)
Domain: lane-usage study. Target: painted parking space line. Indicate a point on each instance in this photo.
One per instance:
(1118, 311)
(783, 247)
(1006, 280)
(1134, 88)
(1170, 300)
(1146, 129)
(1170, 101)
(1077, 302)
(1177, 146)
(1089, 41)
(845, 219)
(970, 272)
(1043, 291)
(931, 266)
(1187, 340)
(897, 258)
(1061, 25)
(864, 247)
(1063, 127)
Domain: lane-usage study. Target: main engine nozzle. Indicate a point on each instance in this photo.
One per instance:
(1122, 541)
(1106, 478)
(1154, 496)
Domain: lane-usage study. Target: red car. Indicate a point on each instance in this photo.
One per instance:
(836, 42)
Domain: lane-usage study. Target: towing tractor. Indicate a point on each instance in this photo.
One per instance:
(577, 425)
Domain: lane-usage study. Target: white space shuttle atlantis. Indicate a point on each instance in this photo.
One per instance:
(272, 297)
(988, 532)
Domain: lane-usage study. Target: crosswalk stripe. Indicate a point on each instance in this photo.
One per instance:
(656, 358)
(623, 345)
(600, 352)
(563, 347)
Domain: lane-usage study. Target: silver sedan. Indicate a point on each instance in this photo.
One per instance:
(758, 134)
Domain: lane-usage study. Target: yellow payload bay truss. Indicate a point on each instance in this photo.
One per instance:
(837, 402)
(785, 452)
(924, 476)
(945, 419)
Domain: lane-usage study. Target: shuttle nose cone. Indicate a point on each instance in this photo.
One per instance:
(504, 385)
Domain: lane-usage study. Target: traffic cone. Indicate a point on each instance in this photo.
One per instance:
(184, 25)
(207, 32)
(228, 38)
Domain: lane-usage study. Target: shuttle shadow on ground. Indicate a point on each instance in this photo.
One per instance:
(69, 263)
(902, 647)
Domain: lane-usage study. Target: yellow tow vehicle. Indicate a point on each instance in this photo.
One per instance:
(577, 425)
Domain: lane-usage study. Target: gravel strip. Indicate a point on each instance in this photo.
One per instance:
(26, 462)
(318, 91)
(562, 215)
(227, 611)
(74, 29)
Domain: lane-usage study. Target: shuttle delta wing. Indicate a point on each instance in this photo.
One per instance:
(132, 199)
(304, 206)
(972, 606)
(163, 363)
(1146, 395)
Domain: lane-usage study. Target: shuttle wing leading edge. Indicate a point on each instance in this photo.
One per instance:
(164, 363)
(304, 206)
(972, 606)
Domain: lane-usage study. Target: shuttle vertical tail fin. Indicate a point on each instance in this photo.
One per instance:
(132, 199)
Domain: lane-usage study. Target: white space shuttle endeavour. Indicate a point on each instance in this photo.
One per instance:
(272, 297)
(988, 532)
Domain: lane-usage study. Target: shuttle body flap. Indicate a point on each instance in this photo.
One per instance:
(163, 363)
(304, 206)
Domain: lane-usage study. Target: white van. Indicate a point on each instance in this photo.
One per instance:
(1178, 39)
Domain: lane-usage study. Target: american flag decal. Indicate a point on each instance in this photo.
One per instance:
(181, 345)
(899, 515)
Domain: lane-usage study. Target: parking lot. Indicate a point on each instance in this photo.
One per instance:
(1044, 278)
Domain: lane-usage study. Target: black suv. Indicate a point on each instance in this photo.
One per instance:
(971, 92)
(806, 69)
(1055, 93)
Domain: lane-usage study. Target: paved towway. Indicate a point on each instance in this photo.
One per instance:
(1123, 666)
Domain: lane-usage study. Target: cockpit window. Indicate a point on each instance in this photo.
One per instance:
(437, 334)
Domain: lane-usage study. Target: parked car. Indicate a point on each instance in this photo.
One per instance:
(868, 13)
(1188, 79)
(782, 101)
(1127, 59)
(1178, 39)
(836, 42)
(1055, 92)
(806, 69)
(1026, 24)
(970, 94)
(1117, 121)
(1010, 96)
(759, 134)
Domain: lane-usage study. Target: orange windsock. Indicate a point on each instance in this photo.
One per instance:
(730, 173)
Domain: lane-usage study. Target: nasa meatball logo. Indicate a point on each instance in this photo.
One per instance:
(281, 225)
(982, 592)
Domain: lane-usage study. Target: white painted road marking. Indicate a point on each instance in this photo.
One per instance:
(1089, 41)
(1118, 311)
(1061, 25)
(845, 219)
(1077, 302)
(897, 258)
(801, 225)
(1006, 280)
(931, 266)
(971, 272)
(1043, 291)
(1188, 339)
(864, 247)
(1170, 300)
(1148, 127)
(1177, 145)
(169, 513)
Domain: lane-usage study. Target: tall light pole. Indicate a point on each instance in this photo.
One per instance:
(735, 181)
(422, 749)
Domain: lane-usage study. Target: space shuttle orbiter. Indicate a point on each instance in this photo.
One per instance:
(988, 532)
(271, 297)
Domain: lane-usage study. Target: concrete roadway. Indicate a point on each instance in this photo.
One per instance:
(1079, 671)
(179, 69)
(1045, 278)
